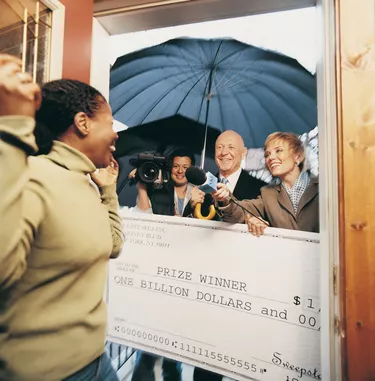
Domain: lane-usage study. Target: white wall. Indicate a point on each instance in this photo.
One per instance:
(100, 59)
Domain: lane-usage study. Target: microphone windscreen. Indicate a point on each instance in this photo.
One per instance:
(195, 175)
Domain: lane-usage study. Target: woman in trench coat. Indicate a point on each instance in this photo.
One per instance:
(290, 201)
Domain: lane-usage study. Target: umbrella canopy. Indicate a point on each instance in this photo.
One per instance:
(224, 83)
(164, 135)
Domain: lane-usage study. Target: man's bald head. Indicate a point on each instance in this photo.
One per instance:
(232, 136)
(229, 152)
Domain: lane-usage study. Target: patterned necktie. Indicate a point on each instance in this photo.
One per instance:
(224, 180)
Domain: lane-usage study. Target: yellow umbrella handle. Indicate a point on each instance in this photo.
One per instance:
(198, 212)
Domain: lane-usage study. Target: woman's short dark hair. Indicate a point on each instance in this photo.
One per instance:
(181, 152)
(61, 101)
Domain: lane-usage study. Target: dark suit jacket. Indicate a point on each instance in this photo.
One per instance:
(247, 187)
(275, 207)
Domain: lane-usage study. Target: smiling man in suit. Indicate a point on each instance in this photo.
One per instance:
(229, 152)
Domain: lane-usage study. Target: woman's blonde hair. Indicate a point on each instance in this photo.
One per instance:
(293, 141)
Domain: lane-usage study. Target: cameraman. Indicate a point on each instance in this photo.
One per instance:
(171, 199)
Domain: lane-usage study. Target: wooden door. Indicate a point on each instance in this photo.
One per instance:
(356, 115)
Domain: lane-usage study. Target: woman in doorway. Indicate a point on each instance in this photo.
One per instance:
(291, 201)
(58, 230)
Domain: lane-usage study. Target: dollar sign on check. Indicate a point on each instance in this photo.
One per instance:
(297, 300)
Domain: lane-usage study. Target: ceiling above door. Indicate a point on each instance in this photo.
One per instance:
(124, 16)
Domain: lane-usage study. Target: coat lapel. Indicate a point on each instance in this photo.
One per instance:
(237, 192)
(284, 200)
(311, 191)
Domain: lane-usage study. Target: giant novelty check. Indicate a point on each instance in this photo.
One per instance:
(212, 295)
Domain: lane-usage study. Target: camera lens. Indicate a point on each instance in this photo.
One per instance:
(148, 172)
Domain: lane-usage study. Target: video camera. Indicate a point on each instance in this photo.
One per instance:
(151, 168)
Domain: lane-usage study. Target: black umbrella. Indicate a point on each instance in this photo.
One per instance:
(164, 135)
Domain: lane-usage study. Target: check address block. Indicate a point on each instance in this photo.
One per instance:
(212, 295)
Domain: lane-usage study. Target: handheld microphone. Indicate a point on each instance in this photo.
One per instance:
(206, 182)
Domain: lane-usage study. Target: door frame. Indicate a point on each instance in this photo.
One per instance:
(331, 334)
(57, 38)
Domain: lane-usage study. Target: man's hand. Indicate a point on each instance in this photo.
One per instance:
(143, 202)
(18, 94)
(222, 194)
(197, 196)
(106, 176)
(132, 173)
(255, 225)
